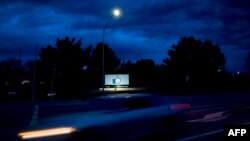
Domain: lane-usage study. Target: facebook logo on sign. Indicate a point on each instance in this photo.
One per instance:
(117, 80)
(237, 132)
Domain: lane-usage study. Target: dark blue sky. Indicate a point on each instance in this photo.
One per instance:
(146, 29)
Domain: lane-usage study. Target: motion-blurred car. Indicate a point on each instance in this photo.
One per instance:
(122, 117)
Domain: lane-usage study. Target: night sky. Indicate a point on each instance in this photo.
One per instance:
(146, 28)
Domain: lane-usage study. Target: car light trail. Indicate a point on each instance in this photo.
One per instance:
(180, 106)
(46, 132)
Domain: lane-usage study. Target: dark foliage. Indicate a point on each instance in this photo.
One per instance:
(247, 63)
(59, 69)
(12, 73)
(95, 65)
(194, 62)
(71, 71)
(142, 72)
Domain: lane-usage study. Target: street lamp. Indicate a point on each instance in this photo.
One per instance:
(116, 13)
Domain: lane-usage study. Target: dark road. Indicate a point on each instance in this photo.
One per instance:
(204, 120)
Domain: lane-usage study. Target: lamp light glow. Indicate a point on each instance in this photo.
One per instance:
(116, 12)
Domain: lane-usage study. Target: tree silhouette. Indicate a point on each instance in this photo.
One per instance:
(127, 67)
(194, 61)
(48, 58)
(111, 62)
(142, 72)
(69, 67)
(145, 70)
(11, 70)
(61, 67)
(12, 73)
(247, 63)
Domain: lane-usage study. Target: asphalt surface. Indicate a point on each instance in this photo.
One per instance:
(204, 120)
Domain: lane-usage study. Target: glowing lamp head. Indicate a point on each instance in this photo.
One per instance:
(116, 12)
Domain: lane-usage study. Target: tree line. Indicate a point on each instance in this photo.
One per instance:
(71, 71)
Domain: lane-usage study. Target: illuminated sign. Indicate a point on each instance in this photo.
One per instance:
(117, 79)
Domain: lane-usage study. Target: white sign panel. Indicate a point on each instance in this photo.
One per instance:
(117, 79)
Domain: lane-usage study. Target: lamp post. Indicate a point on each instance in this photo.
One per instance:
(116, 13)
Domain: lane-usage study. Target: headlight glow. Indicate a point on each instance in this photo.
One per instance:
(46, 132)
